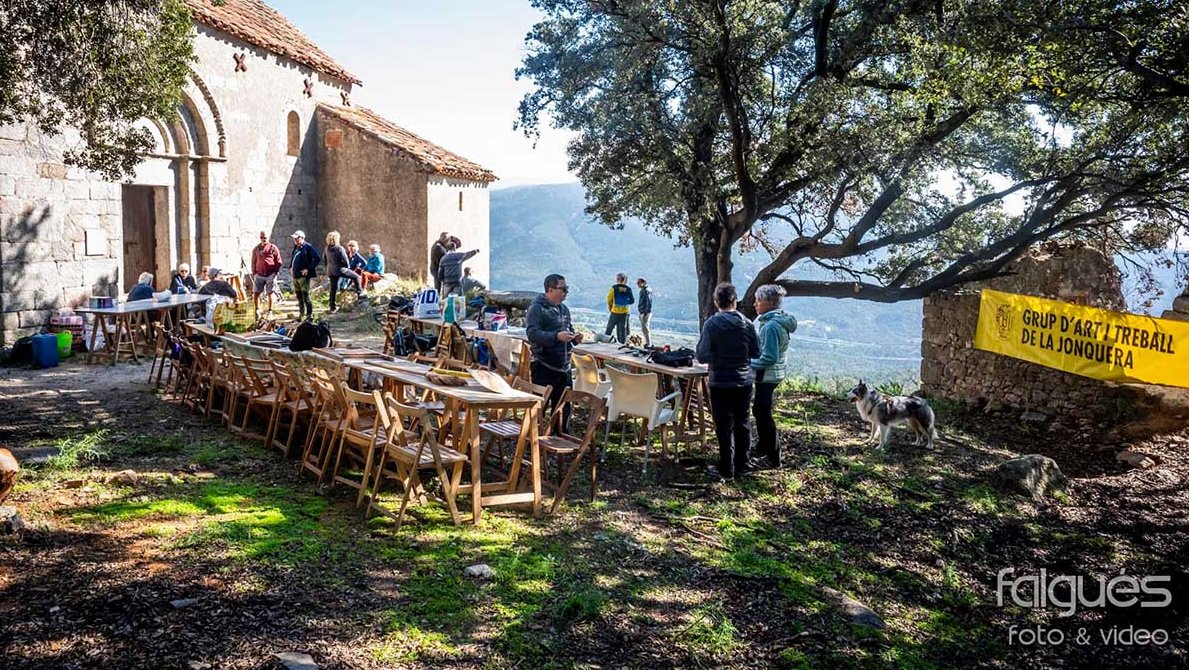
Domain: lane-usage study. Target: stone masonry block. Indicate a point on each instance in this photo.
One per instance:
(35, 318)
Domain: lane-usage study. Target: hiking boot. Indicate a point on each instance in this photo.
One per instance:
(715, 475)
(332, 310)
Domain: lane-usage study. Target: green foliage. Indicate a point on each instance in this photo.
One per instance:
(907, 148)
(96, 67)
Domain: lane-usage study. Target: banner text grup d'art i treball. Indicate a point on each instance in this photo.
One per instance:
(1087, 341)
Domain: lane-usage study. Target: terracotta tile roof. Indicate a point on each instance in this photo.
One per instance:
(434, 158)
(256, 23)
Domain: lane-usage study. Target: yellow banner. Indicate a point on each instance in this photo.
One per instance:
(1087, 341)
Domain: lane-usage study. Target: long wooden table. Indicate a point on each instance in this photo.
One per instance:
(468, 402)
(124, 314)
(695, 400)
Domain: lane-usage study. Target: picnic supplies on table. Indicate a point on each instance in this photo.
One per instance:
(491, 381)
(425, 304)
(437, 377)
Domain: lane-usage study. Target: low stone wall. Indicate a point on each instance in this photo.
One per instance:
(953, 369)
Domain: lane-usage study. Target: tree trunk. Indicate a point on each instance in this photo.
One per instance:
(712, 259)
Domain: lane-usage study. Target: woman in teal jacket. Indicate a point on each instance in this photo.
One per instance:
(775, 326)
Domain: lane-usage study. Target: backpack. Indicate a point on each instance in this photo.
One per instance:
(22, 351)
(483, 354)
(406, 343)
(682, 357)
(400, 304)
(311, 335)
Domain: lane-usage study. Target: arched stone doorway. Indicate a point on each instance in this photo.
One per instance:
(166, 205)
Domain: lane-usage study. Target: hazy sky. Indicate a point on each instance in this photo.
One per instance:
(443, 69)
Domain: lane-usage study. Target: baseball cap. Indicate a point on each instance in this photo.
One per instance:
(298, 234)
(212, 272)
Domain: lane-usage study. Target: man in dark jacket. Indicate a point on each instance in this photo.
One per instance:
(304, 266)
(727, 345)
(551, 335)
(644, 305)
(435, 257)
(450, 269)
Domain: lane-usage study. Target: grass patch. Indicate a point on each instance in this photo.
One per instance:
(709, 636)
(75, 452)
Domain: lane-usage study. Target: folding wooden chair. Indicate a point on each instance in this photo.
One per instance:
(197, 376)
(327, 420)
(359, 438)
(411, 452)
(505, 426)
(238, 389)
(262, 392)
(561, 444)
(223, 379)
(162, 355)
(295, 399)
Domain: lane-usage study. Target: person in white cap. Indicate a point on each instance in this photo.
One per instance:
(304, 267)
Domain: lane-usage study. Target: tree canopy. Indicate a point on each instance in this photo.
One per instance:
(97, 67)
(905, 146)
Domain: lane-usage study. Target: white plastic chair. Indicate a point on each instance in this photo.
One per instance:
(635, 396)
(589, 377)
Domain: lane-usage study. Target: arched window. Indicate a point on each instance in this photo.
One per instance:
(294, 134)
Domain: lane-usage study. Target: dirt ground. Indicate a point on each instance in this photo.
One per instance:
(219, 555)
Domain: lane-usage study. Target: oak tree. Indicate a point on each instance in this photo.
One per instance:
(95, 66)
(904, 146)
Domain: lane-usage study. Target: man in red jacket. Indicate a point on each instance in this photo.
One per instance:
(266, 263)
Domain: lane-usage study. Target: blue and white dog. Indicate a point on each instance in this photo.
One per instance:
(884, 412)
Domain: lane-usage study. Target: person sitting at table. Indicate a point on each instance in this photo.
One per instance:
(204, 276)
(374, 270)
(470, 284)
(143, 289)
(182, 282)
(218, 286)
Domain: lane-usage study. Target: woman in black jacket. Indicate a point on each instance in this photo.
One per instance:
(337, 267)
(727, 345)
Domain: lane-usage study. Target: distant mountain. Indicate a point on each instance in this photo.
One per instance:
(536, 230)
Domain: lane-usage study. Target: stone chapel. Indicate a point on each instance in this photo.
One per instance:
(267, 137)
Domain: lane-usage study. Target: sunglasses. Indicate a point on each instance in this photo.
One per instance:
(563, 289)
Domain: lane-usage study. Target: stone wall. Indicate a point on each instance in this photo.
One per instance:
(60, 231)
(371, 193)
(222, 170)
(952, 369)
